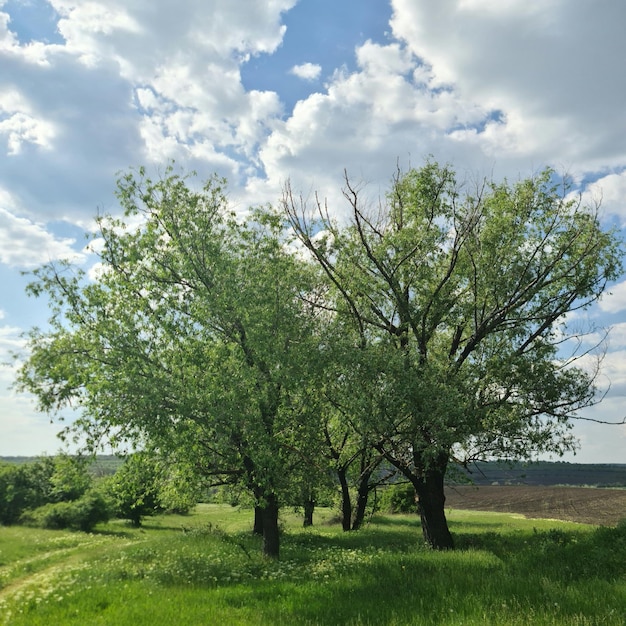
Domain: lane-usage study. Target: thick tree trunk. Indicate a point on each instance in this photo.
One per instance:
(271, 539)
(431, 505)
(346, 503)
(363, 493)
(258, 521)
(309, 507)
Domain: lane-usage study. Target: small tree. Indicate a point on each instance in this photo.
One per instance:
(135, 488)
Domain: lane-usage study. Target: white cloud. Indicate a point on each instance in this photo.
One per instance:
(617, 336)
(491, 85)
(134, 83)
(25, 244)
(307, 71)
(608, 192)
(24, 431)
(527, 60)
(602, 443)
(388, 109)
(21, 124)
(614, 301)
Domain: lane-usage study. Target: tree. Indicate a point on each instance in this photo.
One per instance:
(193, 338)
(135, 488)
(354, 461)
(458, 306)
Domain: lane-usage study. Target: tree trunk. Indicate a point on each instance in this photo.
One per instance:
(431, 505)
(309, 507)
(346, 504)
(361, 501)
(258, 521)
(271, 540)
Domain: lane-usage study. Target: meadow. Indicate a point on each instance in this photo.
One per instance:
(206, 568)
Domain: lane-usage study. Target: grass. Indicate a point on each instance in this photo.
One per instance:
(207, 569)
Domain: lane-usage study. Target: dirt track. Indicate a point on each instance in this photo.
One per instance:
(604, 507)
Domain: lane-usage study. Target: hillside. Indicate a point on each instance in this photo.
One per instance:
(541, 473)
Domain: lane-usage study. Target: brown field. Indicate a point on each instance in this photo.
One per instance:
(603, 507)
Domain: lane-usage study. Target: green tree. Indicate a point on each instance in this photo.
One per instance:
(47, 480)
(16, 493)
(458, 305)
(70, 478)
(135, 488)
(195, 337)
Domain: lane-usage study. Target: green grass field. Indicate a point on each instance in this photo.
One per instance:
(206, 569)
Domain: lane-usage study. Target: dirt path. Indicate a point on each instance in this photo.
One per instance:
(48, 579)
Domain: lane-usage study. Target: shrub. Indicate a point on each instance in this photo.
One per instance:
(14, 493)
(82, 514)
(398, 498)
(33, 485)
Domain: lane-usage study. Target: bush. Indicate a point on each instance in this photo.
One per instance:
(82, 514)
(134, 488)
(14, 493)
(33, 485)
(398, 498)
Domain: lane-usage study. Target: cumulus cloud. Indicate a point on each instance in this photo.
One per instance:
(389, 108)
(614, 301)
(609, 193)
(492, 86)
(132, 83)
(20, 124)
(526, 60)
(307, 71)
(25, 244)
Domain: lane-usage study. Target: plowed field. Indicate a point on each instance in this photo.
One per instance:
(603, 507)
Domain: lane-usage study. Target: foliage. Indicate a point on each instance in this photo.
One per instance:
(180, 488)
(15, 492)
(457, 308)
(83, 514)
(398, 498)
(196, 338)
(434, 328)
(47, 480)
(135, 488)
(148, 484)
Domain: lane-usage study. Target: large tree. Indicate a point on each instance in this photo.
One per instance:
(459, 305)
(192, 335)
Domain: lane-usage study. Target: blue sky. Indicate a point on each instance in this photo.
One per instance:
(261, 91)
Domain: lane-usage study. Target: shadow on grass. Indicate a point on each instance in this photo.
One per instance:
(563, 556)
(388, 540)
(398, 520)
(549, 573)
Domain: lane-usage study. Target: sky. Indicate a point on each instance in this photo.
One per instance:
(261, 91)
